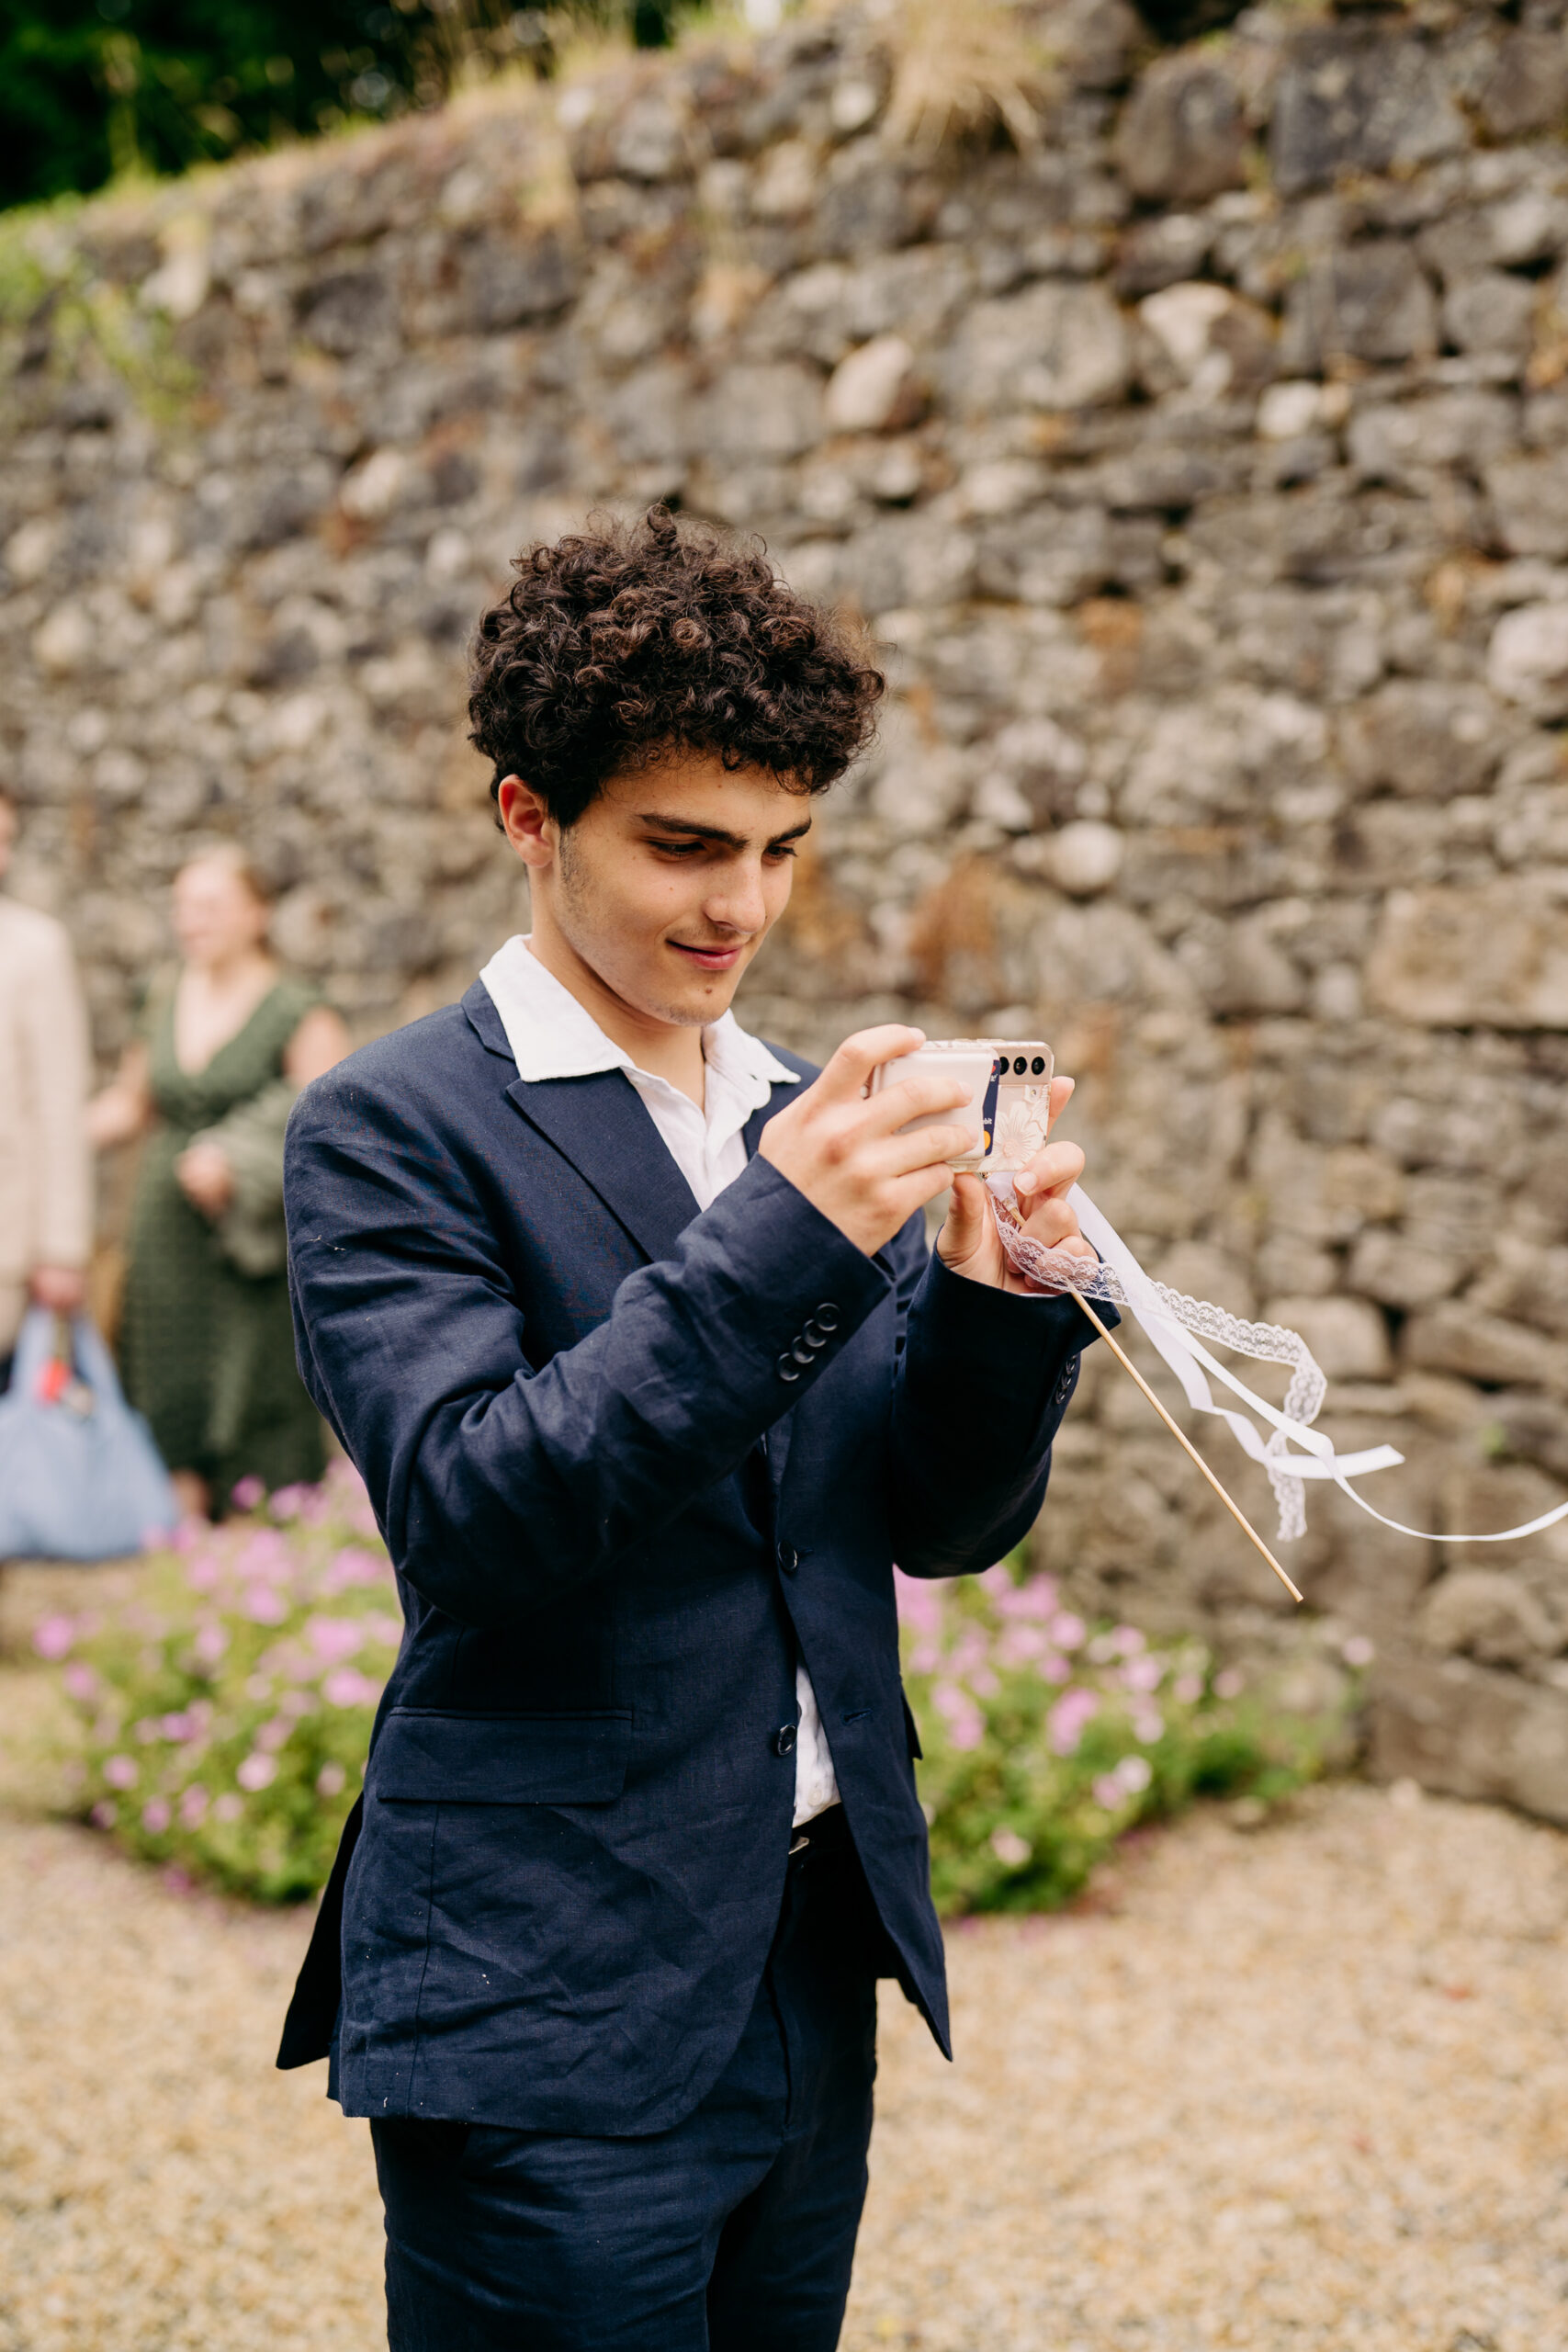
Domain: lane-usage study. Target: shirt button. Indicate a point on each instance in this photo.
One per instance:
(788, 1558)
(784, 1739)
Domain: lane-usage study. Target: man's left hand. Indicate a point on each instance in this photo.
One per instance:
(968, 1242)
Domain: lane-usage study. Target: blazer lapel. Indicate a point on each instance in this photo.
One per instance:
(602, 1127)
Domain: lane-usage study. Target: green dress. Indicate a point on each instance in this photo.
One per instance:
(207, 1350)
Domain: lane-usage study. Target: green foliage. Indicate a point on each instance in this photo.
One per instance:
(1045, 1741)
(224, 1714)
(94, 90)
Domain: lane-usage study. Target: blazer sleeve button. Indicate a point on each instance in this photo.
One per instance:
(784, 1739)
(788, 1369)
(803, 1352)
(828, 1315)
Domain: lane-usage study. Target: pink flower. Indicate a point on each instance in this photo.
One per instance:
(354, 1566)
(104, 1814)
(335, 1639)
(81, 1682)
(346, 1688)
(1065, 1723)
(272, 1735)
(156, 1815)
(265, 1607)
(1357, 1651)
(1037, 1598)
(210, 1643)
(330, 1781)
(1145, 1673)
(1230, 1683)
(289, 1501)
(965, 1725)
(998, 1579)
(256, 1772)
(1019, 1643)
(1187, 1690)
(1149, 1725)
(983, 1682)
(919, 1600)
(925, 1658)
(1108, 1791)
(1054, 1669)
(178, 1727)
(246, 1493)
(1067, 1632)
(192, 1807)
(53, 1636)
(121, 1772)
(229, 1807)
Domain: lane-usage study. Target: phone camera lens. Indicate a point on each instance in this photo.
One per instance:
(1038, 1065)
(1021, 1066)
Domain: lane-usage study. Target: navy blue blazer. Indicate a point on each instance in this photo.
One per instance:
(628, 1460)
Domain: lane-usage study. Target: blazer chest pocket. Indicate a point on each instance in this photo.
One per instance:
(424, 1755)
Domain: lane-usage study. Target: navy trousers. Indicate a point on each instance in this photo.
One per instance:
(733, 2232)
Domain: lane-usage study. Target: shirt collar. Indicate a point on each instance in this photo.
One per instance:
(552, 1036)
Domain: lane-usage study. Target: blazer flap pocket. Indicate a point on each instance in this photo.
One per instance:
(433, 1757)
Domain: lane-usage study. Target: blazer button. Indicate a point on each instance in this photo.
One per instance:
(803, 1352)
(788, 1558)
(826, 1316)
(788, 1369)
(784, 1739)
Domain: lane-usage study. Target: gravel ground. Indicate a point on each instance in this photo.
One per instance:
(1301, 2088)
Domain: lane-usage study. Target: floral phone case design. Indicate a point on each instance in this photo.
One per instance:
(1009, 1080)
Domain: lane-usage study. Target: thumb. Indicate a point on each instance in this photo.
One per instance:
(967, 1217)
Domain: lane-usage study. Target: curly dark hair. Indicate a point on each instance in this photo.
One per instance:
(617, 646)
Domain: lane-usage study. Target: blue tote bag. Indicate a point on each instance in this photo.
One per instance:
(80, 1478)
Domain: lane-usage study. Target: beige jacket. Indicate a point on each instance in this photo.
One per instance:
(45, 1198)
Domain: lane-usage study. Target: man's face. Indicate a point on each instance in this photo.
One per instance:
(669, 881)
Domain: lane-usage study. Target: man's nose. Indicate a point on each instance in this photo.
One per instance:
(738, 904)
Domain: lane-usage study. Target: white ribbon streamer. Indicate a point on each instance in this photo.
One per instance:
(1173, 1321)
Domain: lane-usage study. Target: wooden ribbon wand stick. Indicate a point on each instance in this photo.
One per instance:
(1186, 1444)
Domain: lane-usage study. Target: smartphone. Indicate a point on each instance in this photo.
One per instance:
(1009, 1080)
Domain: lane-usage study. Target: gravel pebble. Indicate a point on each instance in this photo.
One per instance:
(1304, 2087)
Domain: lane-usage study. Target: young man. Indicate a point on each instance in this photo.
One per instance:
(46, 1183)
(628, 1321)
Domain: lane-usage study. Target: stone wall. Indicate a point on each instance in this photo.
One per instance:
(1201, 456)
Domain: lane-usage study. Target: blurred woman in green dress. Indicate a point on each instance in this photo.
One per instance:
(207, 1343)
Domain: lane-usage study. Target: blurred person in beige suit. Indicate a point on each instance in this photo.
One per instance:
(46, 1199)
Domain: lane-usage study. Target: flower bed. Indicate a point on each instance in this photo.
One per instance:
(224, 1713)
(1045, 1739)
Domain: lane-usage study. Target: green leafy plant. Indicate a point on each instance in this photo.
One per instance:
(1046, 1740)
(224, 1713)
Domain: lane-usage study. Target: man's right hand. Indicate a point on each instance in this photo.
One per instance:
(841, 1148)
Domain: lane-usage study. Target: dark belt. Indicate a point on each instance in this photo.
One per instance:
(825, 1833)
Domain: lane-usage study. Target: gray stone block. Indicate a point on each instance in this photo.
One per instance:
(1474, 1731)
(1349, 100)
(1182, 138)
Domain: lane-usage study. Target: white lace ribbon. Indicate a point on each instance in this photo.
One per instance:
(1177, 1326)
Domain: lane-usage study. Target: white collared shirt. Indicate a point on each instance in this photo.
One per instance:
(552, 1036)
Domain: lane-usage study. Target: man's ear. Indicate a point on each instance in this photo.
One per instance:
(527, 824)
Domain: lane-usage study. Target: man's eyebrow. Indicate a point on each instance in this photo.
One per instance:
(716, 832)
